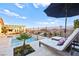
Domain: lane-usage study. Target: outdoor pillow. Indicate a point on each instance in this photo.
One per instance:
(61, 41)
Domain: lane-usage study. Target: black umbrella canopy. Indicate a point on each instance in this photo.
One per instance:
(58, 10)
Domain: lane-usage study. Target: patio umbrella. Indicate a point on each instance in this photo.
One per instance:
(59, 10)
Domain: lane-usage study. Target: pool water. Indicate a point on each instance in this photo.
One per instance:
(16, 42)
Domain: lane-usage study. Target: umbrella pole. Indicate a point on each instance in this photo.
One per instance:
(65, 26)
(65, 20)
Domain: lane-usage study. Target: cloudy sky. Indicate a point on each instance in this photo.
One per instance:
(30, 15)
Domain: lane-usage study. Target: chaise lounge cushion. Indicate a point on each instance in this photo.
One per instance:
(53, 43)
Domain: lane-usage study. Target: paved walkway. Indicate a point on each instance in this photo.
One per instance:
(42, 51)
(5, 48)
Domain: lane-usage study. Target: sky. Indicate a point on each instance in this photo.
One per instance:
(30, 15)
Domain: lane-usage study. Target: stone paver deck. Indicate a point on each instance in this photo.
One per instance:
(42, 51)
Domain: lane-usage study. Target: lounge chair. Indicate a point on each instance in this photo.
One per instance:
(53, 43)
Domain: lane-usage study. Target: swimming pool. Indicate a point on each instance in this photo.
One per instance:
(16, 42)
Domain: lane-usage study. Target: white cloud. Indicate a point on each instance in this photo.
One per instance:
(49, 19)
(36, 5)
(20, 5)
(12, 14)
(44, 4)
(22, 17)
(9, 13)
(52, 22)
(48, 22)
(45, 23)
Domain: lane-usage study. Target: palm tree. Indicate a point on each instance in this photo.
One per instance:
(23, 37)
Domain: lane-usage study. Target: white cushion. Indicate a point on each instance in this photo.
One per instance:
(51, 43)
(56, 38)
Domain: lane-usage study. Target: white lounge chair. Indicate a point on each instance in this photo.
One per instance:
(53, 44)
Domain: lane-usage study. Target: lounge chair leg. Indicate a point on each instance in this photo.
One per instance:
(72, 53)
(39, 44)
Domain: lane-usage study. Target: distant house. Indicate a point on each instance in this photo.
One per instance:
(12, 28)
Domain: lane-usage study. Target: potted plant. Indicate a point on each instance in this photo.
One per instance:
(23, 37)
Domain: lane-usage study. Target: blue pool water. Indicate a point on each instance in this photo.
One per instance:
(16, 42)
